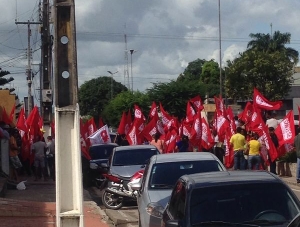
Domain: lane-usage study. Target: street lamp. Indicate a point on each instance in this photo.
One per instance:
(131, 52)
(111, 83)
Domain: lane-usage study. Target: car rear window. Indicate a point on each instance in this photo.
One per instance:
(165, 175)
(101, 152)
(133, 157)
(244, 202)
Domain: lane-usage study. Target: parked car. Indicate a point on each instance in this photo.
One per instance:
(124, 162)
(160, 176)
(230, 198)
(127, 160)
(92, 169)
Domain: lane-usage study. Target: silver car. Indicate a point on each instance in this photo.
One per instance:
(160, 176)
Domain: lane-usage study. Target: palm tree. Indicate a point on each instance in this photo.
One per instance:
(272, 43)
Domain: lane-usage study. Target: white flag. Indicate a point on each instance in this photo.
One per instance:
(100, 136)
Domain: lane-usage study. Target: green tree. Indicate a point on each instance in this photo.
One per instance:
(210, 73)
(270, 72)
(192, 71)
(122, 103)
(174, 95)
(4, 81)
(273, 43)
(95, 94)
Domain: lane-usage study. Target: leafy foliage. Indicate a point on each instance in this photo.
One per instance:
(95, 94)
(193, 71)
(4, 81)
(267, 65)
(174, 95)
(122, 103)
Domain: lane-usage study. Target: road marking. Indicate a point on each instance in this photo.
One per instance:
(297, 190)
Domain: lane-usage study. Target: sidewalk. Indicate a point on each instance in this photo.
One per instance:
(35, 207)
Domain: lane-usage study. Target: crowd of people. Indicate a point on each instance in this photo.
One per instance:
(249, 149)
(41, 163)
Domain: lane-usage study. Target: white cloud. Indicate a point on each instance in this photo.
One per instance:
(167, 34)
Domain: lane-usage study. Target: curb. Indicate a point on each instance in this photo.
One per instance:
(121, 219)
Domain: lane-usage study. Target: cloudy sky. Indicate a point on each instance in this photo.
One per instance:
(165, 34)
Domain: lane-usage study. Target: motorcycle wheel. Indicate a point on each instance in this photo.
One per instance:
(112, 201)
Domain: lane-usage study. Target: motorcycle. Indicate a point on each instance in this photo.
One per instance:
(113, 196)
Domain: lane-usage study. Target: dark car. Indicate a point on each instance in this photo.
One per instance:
(231, 198)
(160, 176)
(127, 160)
(92, 169)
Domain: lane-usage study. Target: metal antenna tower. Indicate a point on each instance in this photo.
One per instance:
(126, 73)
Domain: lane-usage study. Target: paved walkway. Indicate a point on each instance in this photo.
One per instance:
(35, 207)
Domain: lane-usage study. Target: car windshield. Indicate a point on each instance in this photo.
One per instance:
(165, 175)
(101, 152)
(133, 157)
(267, 203)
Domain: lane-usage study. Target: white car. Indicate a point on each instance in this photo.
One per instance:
(160, 176)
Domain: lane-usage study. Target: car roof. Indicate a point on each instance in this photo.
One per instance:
(184, 156)
(104, 144)
(230, 177)
(135, 147)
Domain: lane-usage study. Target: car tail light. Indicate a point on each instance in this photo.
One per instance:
(137, 175)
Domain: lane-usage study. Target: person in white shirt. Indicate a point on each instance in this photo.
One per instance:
(271, 120)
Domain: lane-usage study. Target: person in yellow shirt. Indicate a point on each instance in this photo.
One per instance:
(254, 147)
(238, 142)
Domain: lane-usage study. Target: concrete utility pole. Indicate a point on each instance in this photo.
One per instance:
(46, 60)
(28, 70)
(69, 196)
(220, 49)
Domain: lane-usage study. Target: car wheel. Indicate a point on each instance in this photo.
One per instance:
(112, 201)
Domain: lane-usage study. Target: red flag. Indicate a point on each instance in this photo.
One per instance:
(165, 117)
(153, 111)
(285, 130)
(229, 153)
(128, 122)
(5, 117)
(100, 136)
(220, 105)
(91, 126)
(207, 141)
(100, 123)
(150, 129)
(190, 113)
(12, 113)
(245, 116)
(231, 119)
(138, 113)
(33, 117)
(285, 148)
(196, 132)
(170, 141)
(197, 102)
(83, 140)
(21, 123)
(121, 128)
(255, 119)
(268, 142)
(132, 136)
(222, 124)
(261, 102)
